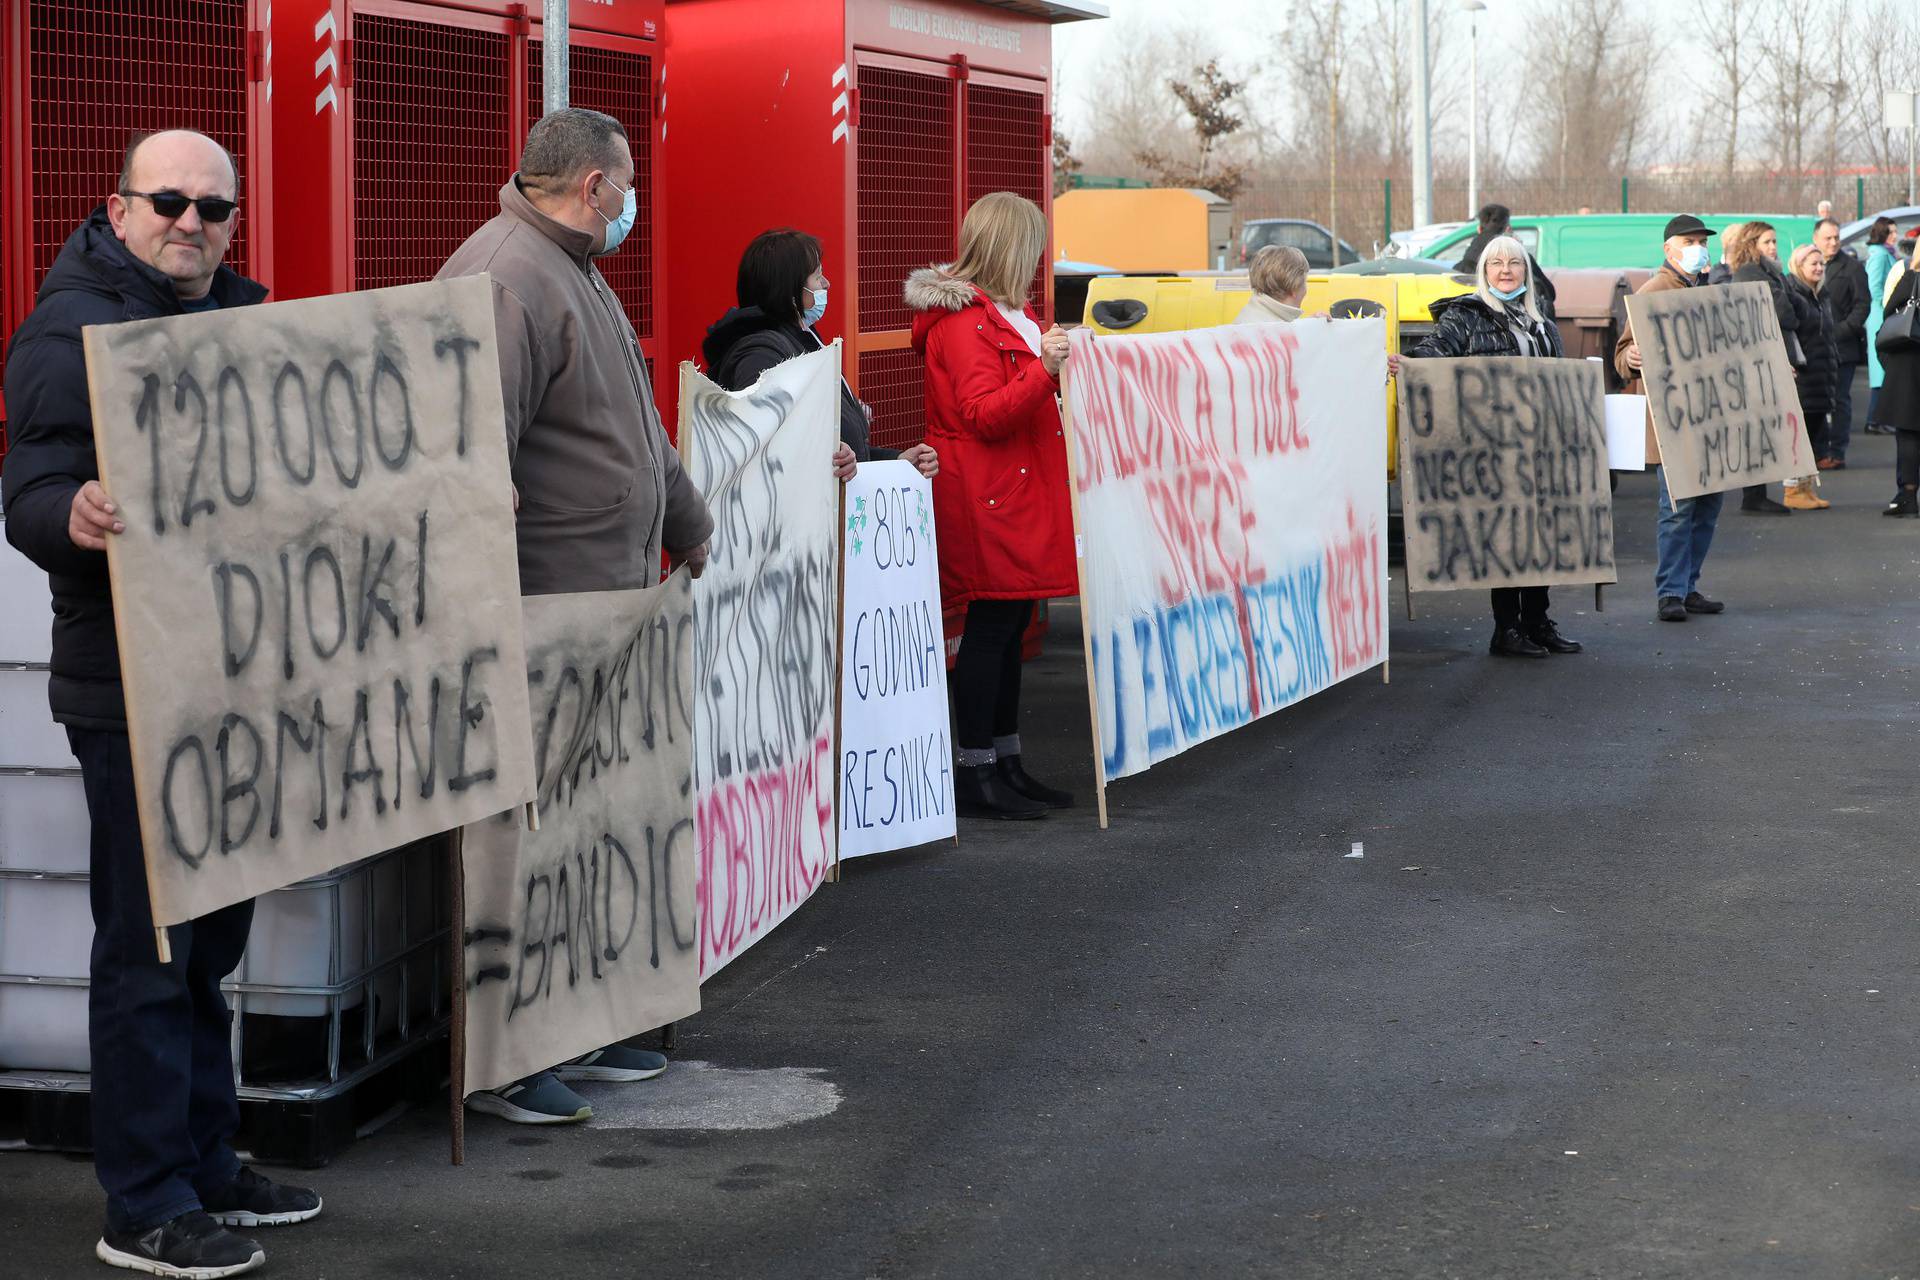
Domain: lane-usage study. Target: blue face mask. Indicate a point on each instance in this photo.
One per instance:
(1507, 295)
(811, 316)
(1693, 259)
(617, 228)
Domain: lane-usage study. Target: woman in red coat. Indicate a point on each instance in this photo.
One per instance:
(1000, 500)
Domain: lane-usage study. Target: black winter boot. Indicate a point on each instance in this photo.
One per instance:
(980, 792)
(1014, 774)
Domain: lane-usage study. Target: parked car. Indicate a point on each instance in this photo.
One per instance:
(1413, 243)
(1309, 238)
(1617, 240)
(1853, 235)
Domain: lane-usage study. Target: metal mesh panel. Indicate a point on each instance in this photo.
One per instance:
(101, 70)
(431, 143)
(621, 85)
(906, 190)
(1007, 151)
(895, 384)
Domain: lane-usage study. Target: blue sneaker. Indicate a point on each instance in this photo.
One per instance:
(540, 1099)
(617, 1063)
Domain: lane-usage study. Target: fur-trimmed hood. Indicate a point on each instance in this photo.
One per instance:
(938, 289)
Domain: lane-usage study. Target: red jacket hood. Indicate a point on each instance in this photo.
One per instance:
(933, 295)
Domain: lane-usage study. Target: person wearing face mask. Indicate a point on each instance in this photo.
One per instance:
(1501, 318)
(1686, 526)
(599, 489)
(781, 294)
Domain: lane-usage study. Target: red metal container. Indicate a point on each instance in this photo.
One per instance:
(78, 77)
(396, 122)
(872, 124)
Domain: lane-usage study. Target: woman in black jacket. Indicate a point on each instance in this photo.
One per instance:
(782, 294)
(1752, 257)
(1899, 405)
(1814, 379)
(1500, 318)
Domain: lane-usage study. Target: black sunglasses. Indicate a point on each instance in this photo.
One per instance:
(171, 204)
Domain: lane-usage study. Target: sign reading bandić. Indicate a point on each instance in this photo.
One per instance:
(1720, 388)
(896, 762)
(317, 596)
(1232, 514)
(1503, 473)
(583, 932)
(765, 618)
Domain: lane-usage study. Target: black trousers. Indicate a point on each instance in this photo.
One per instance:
(986, 674)
(1817, 434)
(1519, 606)
(1907, 458)
(164, 1109)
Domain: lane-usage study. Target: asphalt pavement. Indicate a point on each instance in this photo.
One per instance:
(1625, 985)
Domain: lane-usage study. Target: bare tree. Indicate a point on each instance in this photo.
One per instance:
(1886, 58)
(1730, 53)
(1209, 100)
(1592, 112)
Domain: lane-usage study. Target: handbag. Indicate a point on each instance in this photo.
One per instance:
(1897, 333)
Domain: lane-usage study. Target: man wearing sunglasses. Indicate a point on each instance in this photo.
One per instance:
(164, 1109)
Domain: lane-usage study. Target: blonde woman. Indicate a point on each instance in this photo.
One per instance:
(1000, 500)
(1815, 379)
(1500, 318)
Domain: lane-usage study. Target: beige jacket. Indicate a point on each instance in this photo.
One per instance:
(601, 488)
(1667, 277)
(1265, 310)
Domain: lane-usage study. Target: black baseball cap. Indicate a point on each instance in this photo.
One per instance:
(1687, 225)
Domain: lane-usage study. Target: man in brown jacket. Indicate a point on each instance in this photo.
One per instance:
(599, 488)
(1686, 526)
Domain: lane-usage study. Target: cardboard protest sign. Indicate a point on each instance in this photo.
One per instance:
(317, 596)
(766, 616)
(1503, 473)
(1725, 410)
(1232, 525)
(584, 932)
(896, 762)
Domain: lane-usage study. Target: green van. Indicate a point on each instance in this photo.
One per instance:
(1615, 240)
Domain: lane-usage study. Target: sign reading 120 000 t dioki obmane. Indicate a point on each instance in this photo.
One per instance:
(1232, 512)
(317, 596)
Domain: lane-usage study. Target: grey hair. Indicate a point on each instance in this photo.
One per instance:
(1511, 247)
(564, 144)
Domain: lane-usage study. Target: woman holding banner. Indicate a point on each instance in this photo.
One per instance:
(1500, 318)
(1000, 500)
(781, 292)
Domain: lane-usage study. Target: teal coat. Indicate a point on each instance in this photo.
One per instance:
(1880, 263)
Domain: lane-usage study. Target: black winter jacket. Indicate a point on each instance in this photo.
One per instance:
(1848, 301)
(1544, 293)
(1815, 379)
(50, 453)
(1463, 326)
(747, 342)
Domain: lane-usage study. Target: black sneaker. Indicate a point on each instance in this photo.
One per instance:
(1673, 609)
(253, 1201)
(192, 1246)
(1697, 603)
(1511, 642)
(1548, 637)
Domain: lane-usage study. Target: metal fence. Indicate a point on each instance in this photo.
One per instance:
(1367, 210)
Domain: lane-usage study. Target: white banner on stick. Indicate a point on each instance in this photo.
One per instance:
(584, 932)
(317, 595)
(765, 620)
(896, 761)
(1232, 512)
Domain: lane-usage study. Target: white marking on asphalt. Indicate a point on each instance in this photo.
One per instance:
(700, 1095)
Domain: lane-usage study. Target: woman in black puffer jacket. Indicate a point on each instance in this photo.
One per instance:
(1814, 380)
(1499, 318)
(1753, 257)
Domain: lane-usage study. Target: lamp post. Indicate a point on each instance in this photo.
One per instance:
(1422, 120)
(1473, 10)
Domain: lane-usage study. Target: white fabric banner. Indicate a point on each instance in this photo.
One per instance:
(584, 932)
(765, 618)
(1232, 488)
(896, 760)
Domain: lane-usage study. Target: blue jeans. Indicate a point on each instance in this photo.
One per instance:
(1840, 421)
(1686, 531)
(164, 1108)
